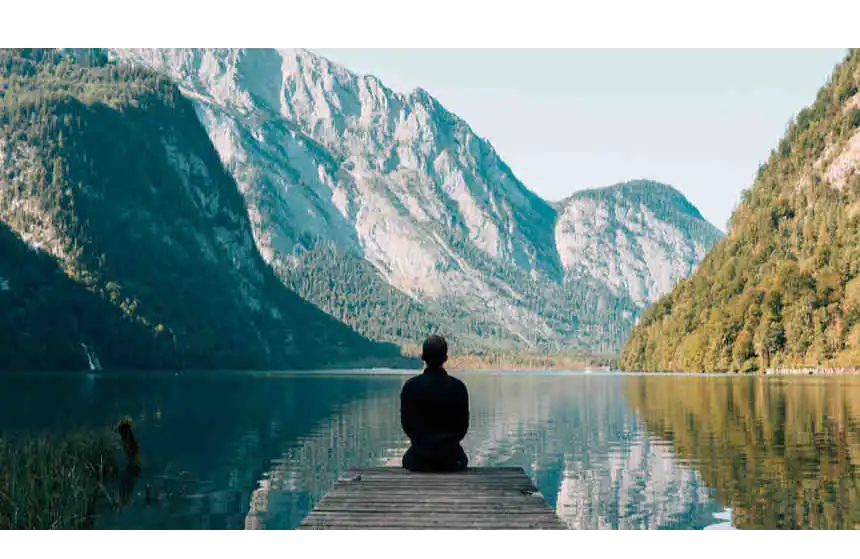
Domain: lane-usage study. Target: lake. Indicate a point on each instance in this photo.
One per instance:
(258, 450)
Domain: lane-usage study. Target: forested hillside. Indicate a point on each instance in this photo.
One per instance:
(389, 212)
(107, 172)
(783, 287)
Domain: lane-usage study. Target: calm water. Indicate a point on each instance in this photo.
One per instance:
(607, 451)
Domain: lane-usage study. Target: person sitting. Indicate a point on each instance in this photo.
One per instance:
(434, 414)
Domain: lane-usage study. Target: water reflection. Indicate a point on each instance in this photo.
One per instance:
(206, 439)
(781, 453)
(607, 451)
(362, 433)
(575, 436)
(587, 452)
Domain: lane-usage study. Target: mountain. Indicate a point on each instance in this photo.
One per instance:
(639, 238)
(783, 287)
(388, 212)
(121, 231)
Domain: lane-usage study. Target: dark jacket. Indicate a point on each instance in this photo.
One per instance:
(434, 413)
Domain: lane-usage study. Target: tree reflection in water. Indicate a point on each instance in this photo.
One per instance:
(780, 452)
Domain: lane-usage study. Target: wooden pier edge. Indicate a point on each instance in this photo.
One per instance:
(394, 498)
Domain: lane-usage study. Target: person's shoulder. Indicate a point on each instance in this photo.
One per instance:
(457, 382)
(411, 381)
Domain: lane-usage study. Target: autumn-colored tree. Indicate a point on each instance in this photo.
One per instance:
(781, 287)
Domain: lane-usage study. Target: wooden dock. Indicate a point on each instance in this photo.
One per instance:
(394, 498)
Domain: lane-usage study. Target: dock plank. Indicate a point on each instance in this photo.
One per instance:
(394, 498)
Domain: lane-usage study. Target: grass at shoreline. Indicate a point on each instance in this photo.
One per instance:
(54, 482)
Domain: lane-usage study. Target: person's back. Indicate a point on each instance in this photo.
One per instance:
(434, 413)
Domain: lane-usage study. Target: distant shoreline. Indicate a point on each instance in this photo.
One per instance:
(811, 371)
(533, 362)
(455, 364)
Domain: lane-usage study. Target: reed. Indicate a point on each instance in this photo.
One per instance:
(52, 482)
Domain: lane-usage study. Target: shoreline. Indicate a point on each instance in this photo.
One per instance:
(457, 363)
(811, 371)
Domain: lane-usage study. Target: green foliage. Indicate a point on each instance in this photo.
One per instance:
(101, 159)
(854, 118)
(779, 287)
(112, 167)
(57, 482)
(46, 316)
(349, 289)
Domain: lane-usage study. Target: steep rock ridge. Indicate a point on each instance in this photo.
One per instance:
(639, 238)
(388, 212)
(400, 193)
(108, 171)
(429, 149)
(782, 288)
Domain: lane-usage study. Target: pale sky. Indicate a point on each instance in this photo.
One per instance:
(565, 120)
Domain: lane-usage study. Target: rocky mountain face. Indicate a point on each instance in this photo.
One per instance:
(782, 289)
(638, 238)
(389, 213)
(121, 232)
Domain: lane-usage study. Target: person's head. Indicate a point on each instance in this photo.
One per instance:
(435, 351)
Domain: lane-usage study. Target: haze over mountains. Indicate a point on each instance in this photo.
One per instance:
(382, 209)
